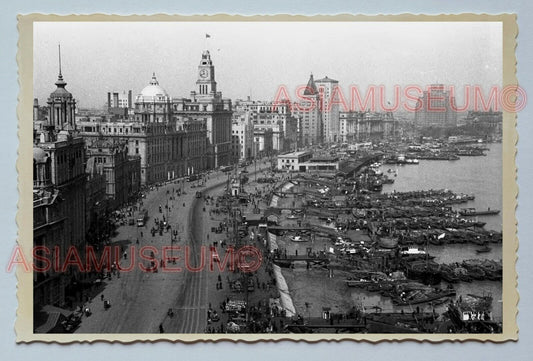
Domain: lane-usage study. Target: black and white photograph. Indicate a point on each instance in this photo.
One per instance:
(274, 179)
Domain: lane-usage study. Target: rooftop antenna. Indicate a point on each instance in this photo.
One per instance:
(59, 47)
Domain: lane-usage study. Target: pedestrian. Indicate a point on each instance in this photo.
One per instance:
(102, 297)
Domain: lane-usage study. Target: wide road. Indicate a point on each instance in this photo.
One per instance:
(139, 299)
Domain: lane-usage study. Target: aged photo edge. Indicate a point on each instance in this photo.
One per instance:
(24, 313)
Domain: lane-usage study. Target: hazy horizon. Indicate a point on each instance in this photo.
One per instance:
(255, 58)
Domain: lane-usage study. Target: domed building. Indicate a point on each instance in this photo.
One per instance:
(62, 106)
(58, 197)
(152, 92)
(153, 105)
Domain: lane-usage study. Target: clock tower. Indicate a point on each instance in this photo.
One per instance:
(206, 75)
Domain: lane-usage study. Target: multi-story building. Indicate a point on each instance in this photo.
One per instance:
(309, 113)
(490, 121)
(96, 203)
(207, 105)
(120, 104)
(122, 172)
(153, 133)
(434, 108)
(242, 136)
(262, 145)
(329, 105)
(272, 117)
(366, 126)
(120, 100)
(59, 197)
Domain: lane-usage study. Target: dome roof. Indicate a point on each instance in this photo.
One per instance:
(39, 155)
(61, 93)
(152, 92)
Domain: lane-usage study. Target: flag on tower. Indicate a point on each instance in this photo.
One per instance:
(207, 36)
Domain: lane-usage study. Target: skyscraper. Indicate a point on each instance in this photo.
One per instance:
(434, 109)
(330, 109)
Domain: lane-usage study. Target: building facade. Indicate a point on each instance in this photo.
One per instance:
(366, 126)
(153, 133)
(242, 136)
(207, 105)
(490, 122)
(271, 117)
(308, 112)
(122, 172)
(58, 198)
(328, 89)
(292, 161)
(434, 108)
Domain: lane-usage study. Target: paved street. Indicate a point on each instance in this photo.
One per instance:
(140, 300)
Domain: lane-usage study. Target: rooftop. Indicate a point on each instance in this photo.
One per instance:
(295, 154)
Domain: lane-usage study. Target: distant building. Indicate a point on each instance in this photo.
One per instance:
(309, 113)
(489, 122)
(274, 117)
(366, 126)
(330, 109)
(120, 100)
(434, 108)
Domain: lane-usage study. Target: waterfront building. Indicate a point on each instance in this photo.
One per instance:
(153, 133)
(308, 112)
(59, 217)
(321, 164)
(207, 105)
(434, 108)
(194, 145)
(291, 161)
(366, 126)
(275, 117)
(329, 105)
(488, 123)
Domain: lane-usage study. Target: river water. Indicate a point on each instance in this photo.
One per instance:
(480, 176)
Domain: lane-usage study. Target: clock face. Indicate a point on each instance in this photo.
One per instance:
(204, 73)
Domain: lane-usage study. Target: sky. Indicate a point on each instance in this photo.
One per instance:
(256, 58)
